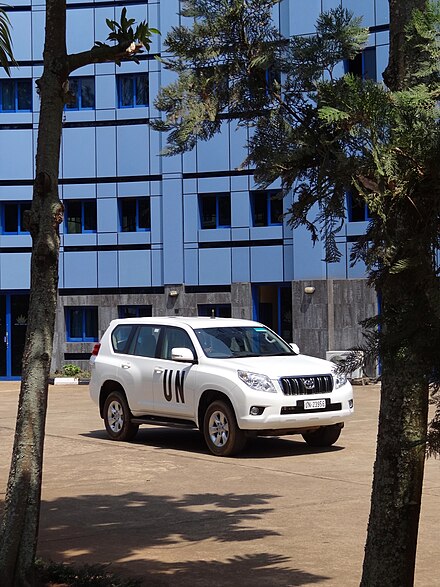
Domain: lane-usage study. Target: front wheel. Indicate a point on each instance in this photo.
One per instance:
(324, 436)
(117, 417)
(220, 429)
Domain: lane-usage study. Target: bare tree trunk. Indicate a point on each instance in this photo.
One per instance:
(22, 505)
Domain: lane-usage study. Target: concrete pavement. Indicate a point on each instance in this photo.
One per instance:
(163, 509)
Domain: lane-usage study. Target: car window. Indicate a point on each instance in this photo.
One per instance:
(120, 337)
(145, 342)
(173, 338)
(241, 341)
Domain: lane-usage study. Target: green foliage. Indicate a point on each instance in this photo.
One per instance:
(122, 33)
(49, 573)
(71, 370)
(6, 55)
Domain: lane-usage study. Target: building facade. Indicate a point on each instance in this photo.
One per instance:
(147, 235)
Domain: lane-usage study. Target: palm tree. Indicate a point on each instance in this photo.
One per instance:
(6, 57)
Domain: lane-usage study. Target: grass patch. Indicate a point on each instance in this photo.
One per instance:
(59, 574)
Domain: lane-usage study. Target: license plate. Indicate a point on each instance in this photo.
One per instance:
(314, 404)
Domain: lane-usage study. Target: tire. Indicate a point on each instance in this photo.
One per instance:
(324, 436)
(220, 429)
(117, 418)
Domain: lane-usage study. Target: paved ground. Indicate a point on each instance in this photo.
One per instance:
(165, 510)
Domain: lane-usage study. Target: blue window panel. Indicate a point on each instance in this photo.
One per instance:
(107, 238)
(215, 210)
(172, 230)
(132, 150)
(134, 214)
(155, 148)
(133, 90)
(382, 12)
(107, 213)
(357, 209)
(81, 323)
(61, 270)
(156, 267)
(134, 238)
(107, 269)
(381, 60)
(134, 268)
(15, 271)
(338, 270)
(11, 165)
(21, 26)
(101, 29)
(241, 265)
(215, 266)
(191, 266)
(214, 235)
(80, 216)
(364, 9)
(79, 191)
(240, 234)
(155, 85)
(214, 156)
(288, 262)
(106, 151)
(106, 190)
(153, 11)
(12, 217)
(75, 141)
(82, 90)
(169, 14)
(80, 240)
(80, 269)
(105, 92)
(359, 270)
(307, 259)
(238, 137)
(240, 183)
(303, 15)
(364, 64)
(190, 218)
(240, 209)
(37, 37)
(80, 19)
(267, 264)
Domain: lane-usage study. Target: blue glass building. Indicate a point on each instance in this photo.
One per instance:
(146, 235)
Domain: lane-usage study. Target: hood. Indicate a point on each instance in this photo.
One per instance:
(276, 367)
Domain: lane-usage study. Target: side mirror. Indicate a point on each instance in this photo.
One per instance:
(294, 347)
(183, 355)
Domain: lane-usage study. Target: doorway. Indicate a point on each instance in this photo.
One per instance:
(273, 307)
(13, 323)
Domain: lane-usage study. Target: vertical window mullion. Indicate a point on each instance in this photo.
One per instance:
(217, 211)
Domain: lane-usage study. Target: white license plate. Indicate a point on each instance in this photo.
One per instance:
(314, 404)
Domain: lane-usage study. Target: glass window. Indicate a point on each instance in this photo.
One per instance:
(216, 310)
(81, 323)
(134, 311)
(133, 90)
(121, 336)
(267, 208)
(356, 207)
(135, 214)
(82, 90)
(175, 338)
(13, 217)
(215, 210)
(363, 65)
(146, 341)
(81, 216)
(15, 95)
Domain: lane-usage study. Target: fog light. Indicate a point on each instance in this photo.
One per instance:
(350, 404)
(256, 411)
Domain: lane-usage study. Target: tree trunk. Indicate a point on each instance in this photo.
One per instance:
(22, 505)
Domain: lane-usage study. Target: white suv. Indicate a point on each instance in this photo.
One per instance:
(230, 378)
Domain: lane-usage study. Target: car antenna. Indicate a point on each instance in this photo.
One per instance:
(213, 313)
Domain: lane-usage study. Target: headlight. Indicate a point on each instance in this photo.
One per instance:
(340, 379)
(257, 381)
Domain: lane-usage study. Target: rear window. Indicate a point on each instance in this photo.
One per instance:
(120, 337)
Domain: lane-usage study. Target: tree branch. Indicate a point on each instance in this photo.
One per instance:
(103, 53)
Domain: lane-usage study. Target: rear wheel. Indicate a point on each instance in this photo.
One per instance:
(222, 434)
(117, 417)
(324, 436)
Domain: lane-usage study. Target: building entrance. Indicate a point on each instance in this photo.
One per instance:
(273, 307)
(13, 323)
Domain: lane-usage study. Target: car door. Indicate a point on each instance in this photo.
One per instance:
(174, 382)
(138, 366)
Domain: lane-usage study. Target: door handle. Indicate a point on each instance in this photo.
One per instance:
(159, 370)
(125, 365)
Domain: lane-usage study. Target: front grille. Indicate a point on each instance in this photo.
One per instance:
(307, 385)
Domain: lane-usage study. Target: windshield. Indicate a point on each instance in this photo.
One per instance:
(241, 341)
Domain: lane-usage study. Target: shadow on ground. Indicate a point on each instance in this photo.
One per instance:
(141, 536)
(192, 441)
